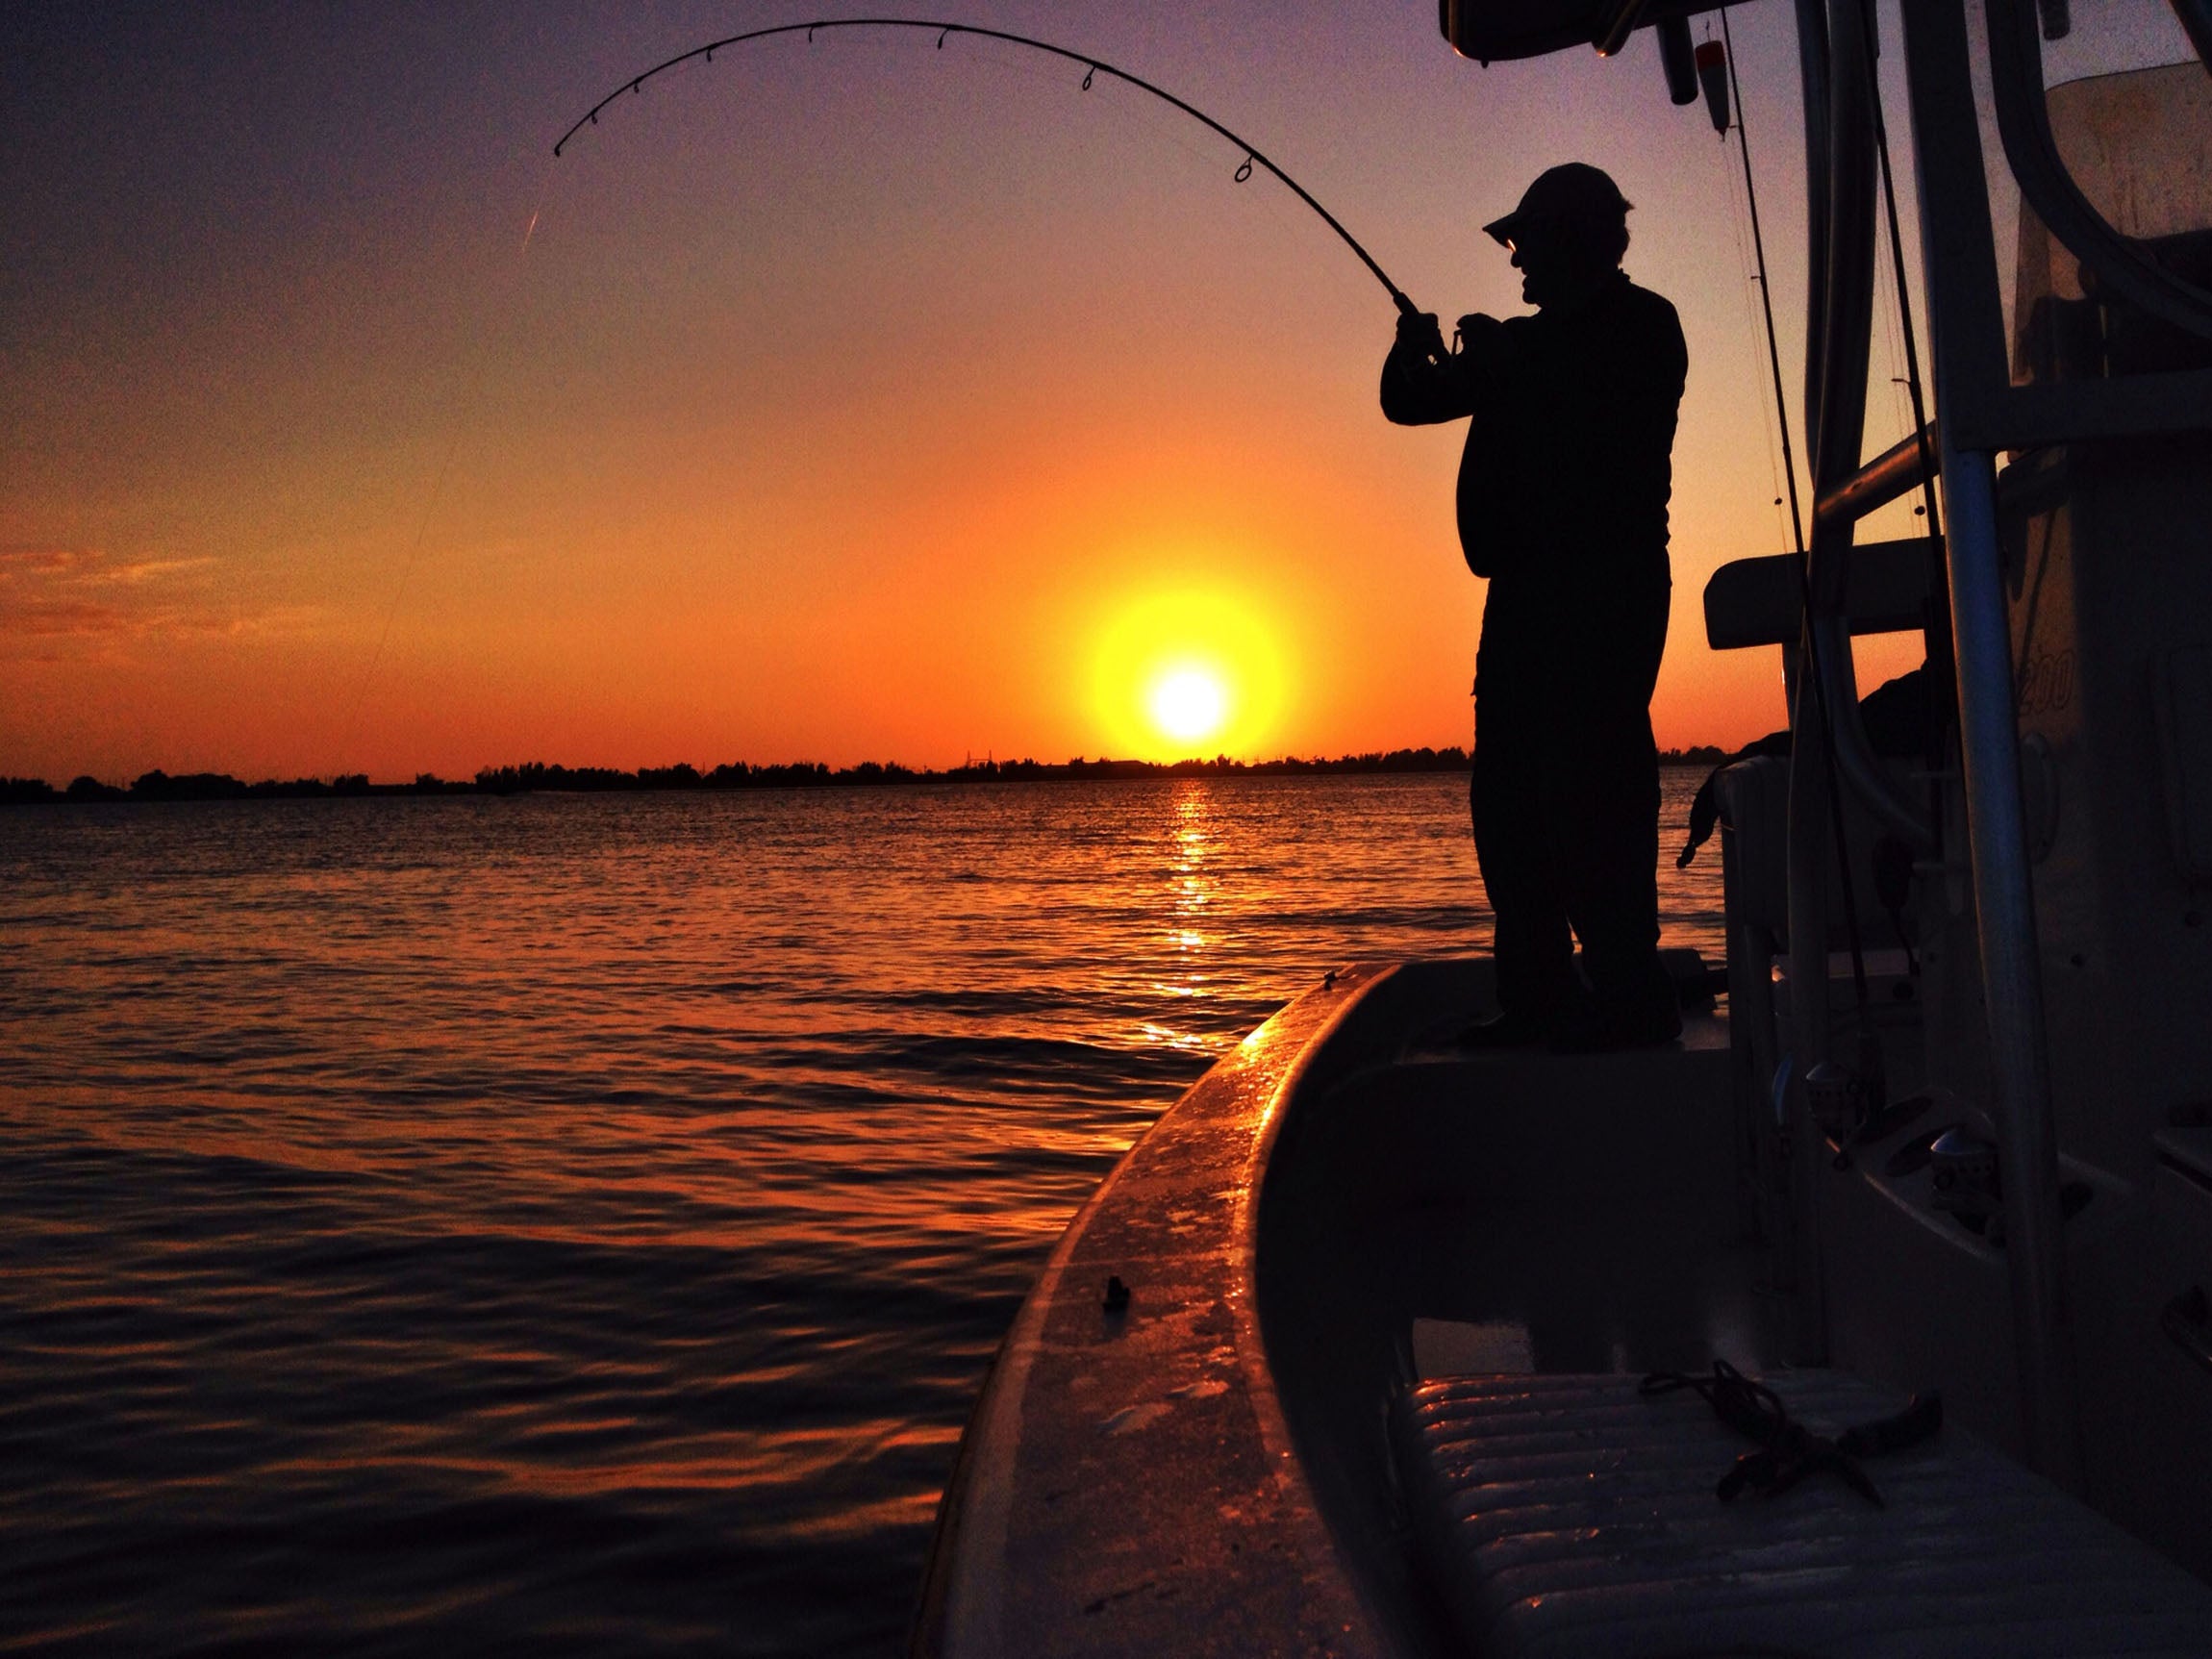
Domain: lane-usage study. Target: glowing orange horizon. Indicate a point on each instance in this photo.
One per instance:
(790, 439)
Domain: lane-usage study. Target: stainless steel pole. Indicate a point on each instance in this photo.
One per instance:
(2012, 981)
(1811, 856)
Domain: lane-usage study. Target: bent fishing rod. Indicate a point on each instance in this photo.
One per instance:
(1093, 67)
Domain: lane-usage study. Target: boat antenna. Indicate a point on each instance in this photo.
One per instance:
(1093, 67)
(1812, 636)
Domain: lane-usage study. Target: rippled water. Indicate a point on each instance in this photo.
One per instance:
(579, 1224)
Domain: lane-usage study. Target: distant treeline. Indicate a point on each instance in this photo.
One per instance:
(536, 775)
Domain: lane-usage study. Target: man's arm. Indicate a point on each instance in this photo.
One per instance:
(1423, 383)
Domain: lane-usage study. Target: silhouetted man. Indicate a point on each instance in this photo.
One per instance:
(1562, 505)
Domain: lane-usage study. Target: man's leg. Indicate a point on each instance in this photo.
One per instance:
(1606, 819)
(1610, 874)
(1533, 949)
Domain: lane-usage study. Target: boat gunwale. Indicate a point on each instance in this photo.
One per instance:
(1228, 1123)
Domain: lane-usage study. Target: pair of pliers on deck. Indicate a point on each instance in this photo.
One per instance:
(1794, 1453)
(1788, 1451)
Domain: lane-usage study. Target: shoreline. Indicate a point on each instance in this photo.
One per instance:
(538, 777)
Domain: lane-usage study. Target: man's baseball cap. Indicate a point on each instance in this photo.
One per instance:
(1573, 190)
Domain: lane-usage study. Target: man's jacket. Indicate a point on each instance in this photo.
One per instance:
(1567, 472)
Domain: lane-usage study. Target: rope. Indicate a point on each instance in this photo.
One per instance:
(1788, 1451)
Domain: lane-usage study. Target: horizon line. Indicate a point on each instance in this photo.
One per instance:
(531, 776)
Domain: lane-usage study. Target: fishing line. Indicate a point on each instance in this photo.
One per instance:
(1898, 277)
(1893, 342)
(1766, 296)
(1093, 68)
(460, 419)
(1748, 277)
(1158, 124)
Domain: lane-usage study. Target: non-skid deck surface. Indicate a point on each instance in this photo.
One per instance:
(1565, 1516)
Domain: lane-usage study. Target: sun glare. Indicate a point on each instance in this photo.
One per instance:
(1183, 671)
(1188, 704)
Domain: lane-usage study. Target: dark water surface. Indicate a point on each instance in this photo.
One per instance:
(579, 1224)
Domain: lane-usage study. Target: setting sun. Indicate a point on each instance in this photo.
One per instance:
(1187, 669)
(1188, 704)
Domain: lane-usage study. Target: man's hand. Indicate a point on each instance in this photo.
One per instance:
(1422, 381)
(1421, 332)
(1481, 339)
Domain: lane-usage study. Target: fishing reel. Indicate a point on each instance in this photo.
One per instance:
(1969, 1187)
(1843, 1097)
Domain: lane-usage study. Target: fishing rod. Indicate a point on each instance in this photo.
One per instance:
(1093, 67)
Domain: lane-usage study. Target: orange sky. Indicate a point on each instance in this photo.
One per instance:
(851, 401)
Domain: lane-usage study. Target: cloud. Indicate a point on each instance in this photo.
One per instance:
(37, 615)
(80, 593)
(144, 571)
(20, 559)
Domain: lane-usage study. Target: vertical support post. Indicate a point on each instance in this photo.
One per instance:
(1841, 181)
(1965, 330)
(1810, 852)
(2011, 972)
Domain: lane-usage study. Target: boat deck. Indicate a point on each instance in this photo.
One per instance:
(1436, 1213)
(1343, 1202)
(1345, 1206)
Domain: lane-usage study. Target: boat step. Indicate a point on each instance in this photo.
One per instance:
(1565, 1516)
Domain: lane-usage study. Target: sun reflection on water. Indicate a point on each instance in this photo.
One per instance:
(1192, 887)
